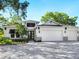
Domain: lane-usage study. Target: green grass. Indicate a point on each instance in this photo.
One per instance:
(1, 34)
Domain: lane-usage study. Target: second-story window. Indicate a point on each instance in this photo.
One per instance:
(30, 24)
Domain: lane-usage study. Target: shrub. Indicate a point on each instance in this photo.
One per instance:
(4, 40)
(21, 40)
(8, 41)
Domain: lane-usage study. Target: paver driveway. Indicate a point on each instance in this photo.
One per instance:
(43, 50)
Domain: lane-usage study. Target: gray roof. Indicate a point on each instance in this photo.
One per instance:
(50, 23)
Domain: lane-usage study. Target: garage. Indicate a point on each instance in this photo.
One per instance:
(72, 35)
(52, 31)
(51, 35)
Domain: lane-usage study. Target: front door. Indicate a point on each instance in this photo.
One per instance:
(31, 35)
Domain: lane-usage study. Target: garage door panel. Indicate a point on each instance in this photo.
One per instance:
(52, 35)
(72, 35)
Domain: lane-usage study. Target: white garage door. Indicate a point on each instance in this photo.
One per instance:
(54, 35)
(72, 35)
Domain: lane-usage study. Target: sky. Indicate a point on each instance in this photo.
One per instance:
(38, 8)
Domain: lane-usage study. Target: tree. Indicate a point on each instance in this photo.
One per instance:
(17, 21)
(1, 32)
(3, 20)
(59, 17)
(14, 7)
(21, 29)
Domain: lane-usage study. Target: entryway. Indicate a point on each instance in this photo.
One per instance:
(31, 35)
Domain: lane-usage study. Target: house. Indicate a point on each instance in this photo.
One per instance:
(10, 32)
(53, 31)
(50, 31)
(30, 25)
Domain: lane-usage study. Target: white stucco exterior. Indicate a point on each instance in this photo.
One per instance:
(7, 30)
(57, 33)
(50, 31)
(31, 21)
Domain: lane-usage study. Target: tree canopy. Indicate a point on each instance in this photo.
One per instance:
(59, 17)
(17, 21)
(3, 20)
(14, 7)
(17, 10)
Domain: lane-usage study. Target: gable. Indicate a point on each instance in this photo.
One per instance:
(50, 23)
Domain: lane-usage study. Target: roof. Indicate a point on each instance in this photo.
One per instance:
(32, 21)
(50, 23)
(10, 26)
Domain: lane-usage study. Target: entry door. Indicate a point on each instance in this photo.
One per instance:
(31, 35)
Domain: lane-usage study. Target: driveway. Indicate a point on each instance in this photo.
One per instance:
(43, 50)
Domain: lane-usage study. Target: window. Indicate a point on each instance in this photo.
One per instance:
(12, 31)
(30, 24)
(17, 35)
(12, 35)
